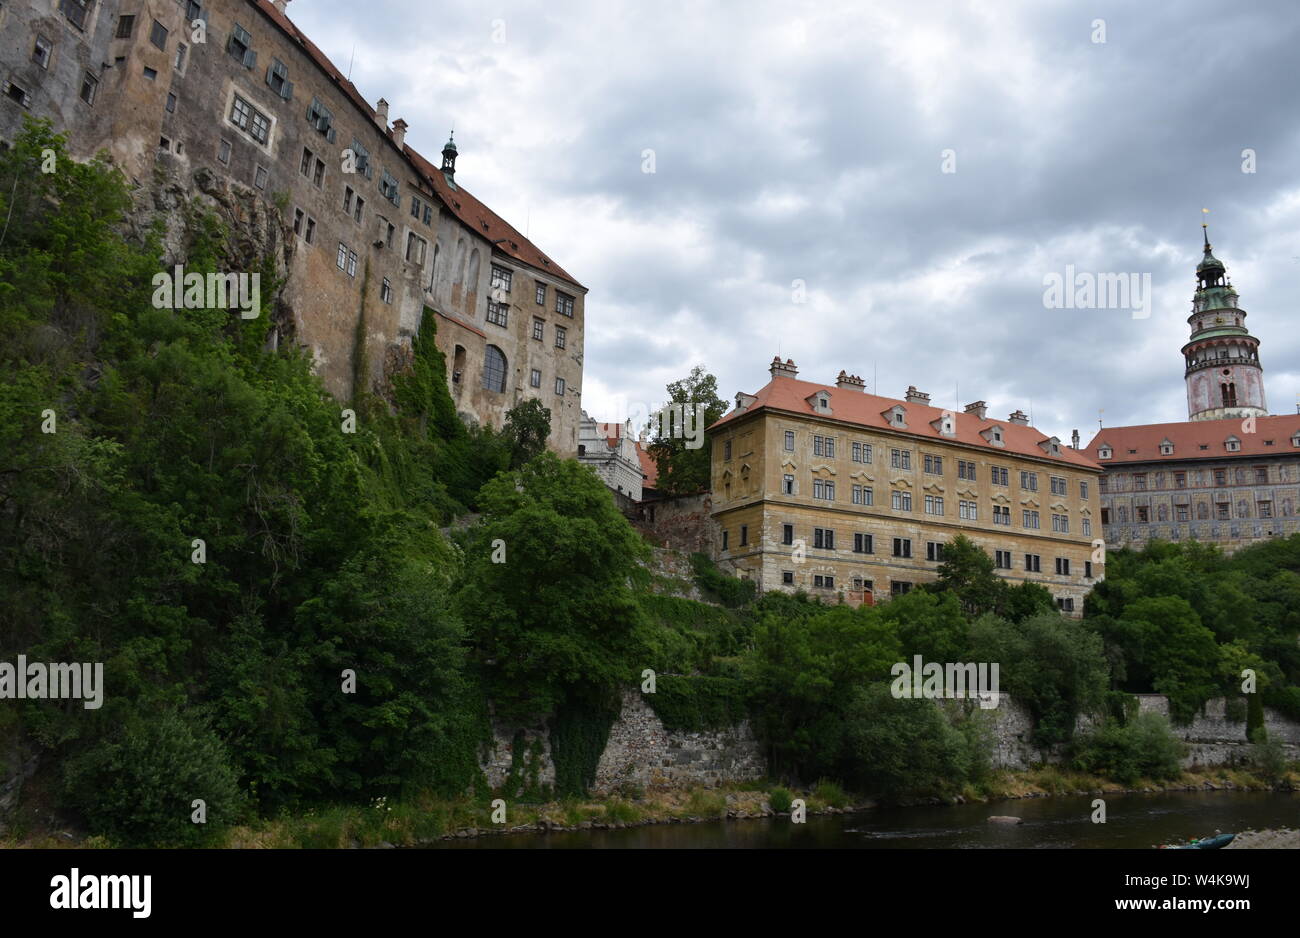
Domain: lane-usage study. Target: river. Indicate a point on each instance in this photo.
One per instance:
(1140, 820)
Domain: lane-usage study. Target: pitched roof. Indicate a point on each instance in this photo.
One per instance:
(1189, 436)
(868, 410)
(649, 468)
(471, 212)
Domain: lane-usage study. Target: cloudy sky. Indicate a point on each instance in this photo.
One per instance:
(809, 142)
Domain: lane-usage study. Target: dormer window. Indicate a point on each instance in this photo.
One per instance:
(1166, 447)
(1233, 444)
(993, 435)
(1295, 441)
(820, 402)
(896, 416)
(945, 425)
(1051, 446)
(1104, 453)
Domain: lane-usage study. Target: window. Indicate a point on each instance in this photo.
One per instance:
(824, 538)
(559, 386)
(1083, 490)
(968, 511)
(41, 52)
(902, 547)
(1261, 475)
(865, 585)
(787, 484)
(535, 379)
(416, 205)
(416, 248)
(824, 446)
(361, 159)
(724, 539)
(1065, 604)
(1033, 563)
(826, 582)
(787, 534)
(1180, 480)
(223, 153)
(1059, 485)
(1002, 559)
(125, 26)
(789, 441)
(934, 504)
(150, 73)
(1181, 510)
(966, 470)
(158, 35)
(787, 577)
(561, 336)
(862, 495)
(726, 449)
(1139, 481)
(347, 200)
(342, 260)
(389, 188)
(1029, 480)
(494, 370)
(179, 64)
(934, 551)
(539, 330)
(934, 465)
(1142, 514)
(501, 278)
(744, 535)
(1265, 509)
(862, 452)
(1220, 477)
(277, 76)
(900, 501)
(824, 489)
(76, 11)
(541, 294)
(252, 121)
(357, 208)
(1086, 524)
(305, 164)
(1028, 519)
(1105, 516)
(563, 304)
(1062, 566)
(998, 475)
(899, 588)
(900, 459)
(1002, 515)
(310, 235)
(1087, 569)
(318, 175)
(171, 103)
(863, 544)
(239, 45)
(352, 263)
(89, 86)
(1061, 524)
(259, 177)
(498, 313)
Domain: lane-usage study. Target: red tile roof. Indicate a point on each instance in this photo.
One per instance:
(649, 469)
(471, 212)
(1189, 436)
(867, 410)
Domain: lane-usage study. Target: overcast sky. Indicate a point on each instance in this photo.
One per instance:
(806, 142)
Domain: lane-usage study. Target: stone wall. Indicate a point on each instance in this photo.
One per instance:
(642, 752)
(682, 522)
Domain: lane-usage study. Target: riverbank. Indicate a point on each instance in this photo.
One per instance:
(1283, 839)
(428, 820)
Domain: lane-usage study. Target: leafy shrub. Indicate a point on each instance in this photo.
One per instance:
(780, 799)
(137, 786)
(1144, 748)
(713, 583)
(830, 793)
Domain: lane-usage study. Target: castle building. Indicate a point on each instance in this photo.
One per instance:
(228, 101)
(1230, 474)
(835, 491)
(614, 453)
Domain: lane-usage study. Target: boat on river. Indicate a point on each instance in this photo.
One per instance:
(1208, 843)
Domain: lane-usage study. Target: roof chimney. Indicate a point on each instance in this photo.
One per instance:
(1074, 440)
(914, 396)
(281, 6)
(399, 132)
(979, 409)
(849, 382)
(784, 369)
(1019, 417)
(381, 114)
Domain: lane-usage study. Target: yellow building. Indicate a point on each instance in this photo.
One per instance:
(835, 491)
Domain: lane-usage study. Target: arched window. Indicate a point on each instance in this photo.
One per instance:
(494, 369)
(473, 272)
(457, 364)
(458, 272)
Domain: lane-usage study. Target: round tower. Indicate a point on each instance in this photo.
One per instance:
(1224, 377)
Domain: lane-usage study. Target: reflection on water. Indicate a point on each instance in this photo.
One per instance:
(1060, 822)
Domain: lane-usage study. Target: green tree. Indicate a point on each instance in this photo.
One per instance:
(528, 426)
(684, 463)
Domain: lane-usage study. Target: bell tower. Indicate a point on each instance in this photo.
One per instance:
(1224, 376)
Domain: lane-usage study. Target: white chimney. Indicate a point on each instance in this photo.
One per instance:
(381, 114)
(399, 132)
(282, 5)
(978, 408)
(916, 397)
(849, 382)
(784, 369)
(1019, 417)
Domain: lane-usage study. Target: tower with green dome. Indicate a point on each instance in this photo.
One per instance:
(1224, 376)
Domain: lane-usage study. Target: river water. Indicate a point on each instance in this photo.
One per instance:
(1141, 820)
